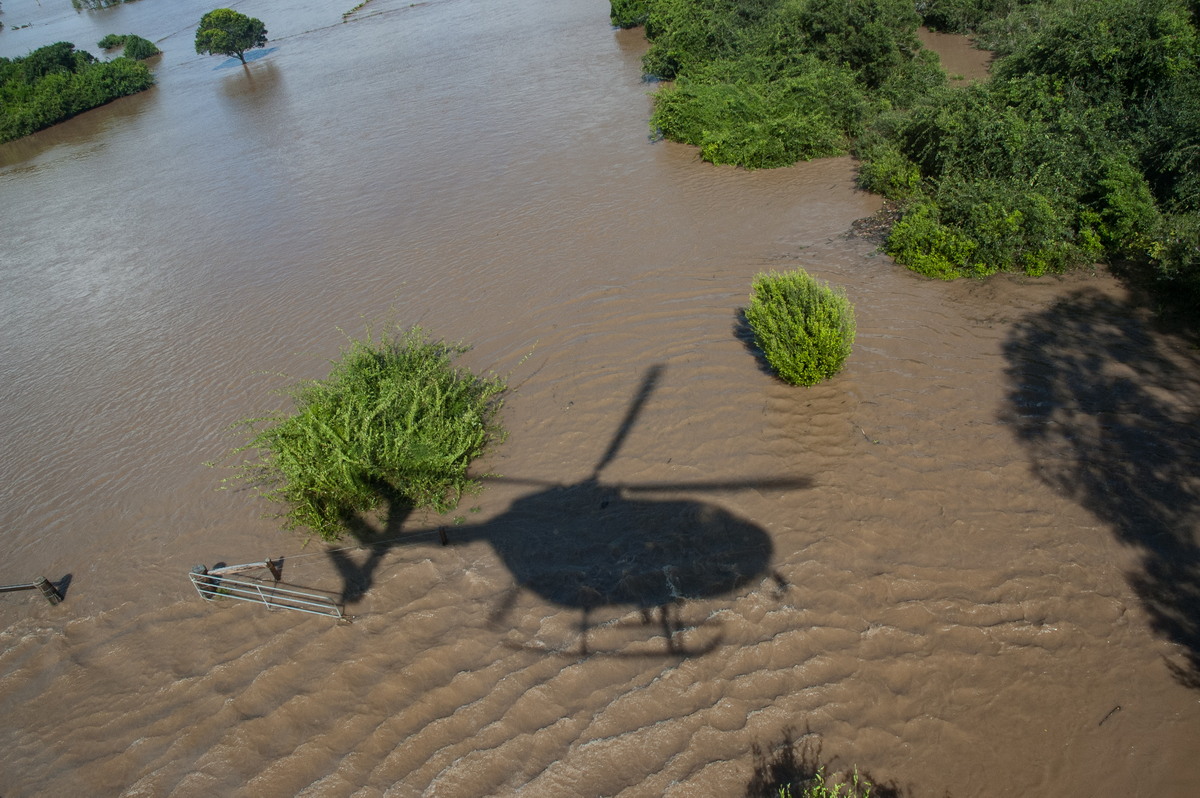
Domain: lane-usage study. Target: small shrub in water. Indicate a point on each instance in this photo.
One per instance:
(394, 423)
(804, 328)
(136, 47)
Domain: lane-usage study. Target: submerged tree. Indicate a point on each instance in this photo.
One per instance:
(227, 32)
(136, 47)
(394, 424)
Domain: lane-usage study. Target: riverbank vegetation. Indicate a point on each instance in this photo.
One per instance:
(1084, 145)
(395, 424)
(135, 47)
(804, 328)
(57, 82)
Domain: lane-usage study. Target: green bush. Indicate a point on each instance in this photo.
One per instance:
(629, 13)
(1077, 149)
(922, 243)
(871, 38)
(394, 423)
(1114, 50)
(965, 16)
(761, 124)
(1177, 250)
(885, 170)
(1018, 174)
(56, 82)
(804, 328)
(136, 47)
(766, 83)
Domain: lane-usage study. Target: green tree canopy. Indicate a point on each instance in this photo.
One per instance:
(226, 32)
(395, 424)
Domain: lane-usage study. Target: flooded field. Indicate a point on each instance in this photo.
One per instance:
(968, 564)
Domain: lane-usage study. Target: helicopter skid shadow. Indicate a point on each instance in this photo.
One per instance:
(625, 638)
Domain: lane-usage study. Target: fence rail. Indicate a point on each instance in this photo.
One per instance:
(42, 584)
(217, 584)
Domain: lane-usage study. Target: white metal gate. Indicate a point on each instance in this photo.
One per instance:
(218, 583)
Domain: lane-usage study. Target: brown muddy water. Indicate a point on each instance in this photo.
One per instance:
(967, 564)
(962, 60)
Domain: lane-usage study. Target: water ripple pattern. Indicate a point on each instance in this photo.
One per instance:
(683, 559)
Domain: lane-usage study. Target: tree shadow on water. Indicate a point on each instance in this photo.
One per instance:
(1107, 405)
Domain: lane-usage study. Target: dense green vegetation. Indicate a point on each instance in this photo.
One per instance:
(57, 82)
(768, 82)
(804, 328)
(394, 424)
(224, 31)
(136, 47)
(1083, 147)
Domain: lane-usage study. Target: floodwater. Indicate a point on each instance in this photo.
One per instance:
(963, 62)
(967, 565)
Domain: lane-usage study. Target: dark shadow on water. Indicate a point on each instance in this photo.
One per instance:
(794, 765)
(745, 333)
(1107, 407)
(251, 56)
(593, 545)
(356, 569)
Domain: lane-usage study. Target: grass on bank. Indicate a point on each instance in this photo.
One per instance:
(804, 327)
(395, 422)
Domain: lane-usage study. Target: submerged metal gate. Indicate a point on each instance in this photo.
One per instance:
(217, 583)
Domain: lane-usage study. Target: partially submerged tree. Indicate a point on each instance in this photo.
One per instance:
(394, 424)
(227, 32)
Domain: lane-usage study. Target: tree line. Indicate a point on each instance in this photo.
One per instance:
(57, 82)
(1083, 146)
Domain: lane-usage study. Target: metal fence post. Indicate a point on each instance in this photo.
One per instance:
(48, 590)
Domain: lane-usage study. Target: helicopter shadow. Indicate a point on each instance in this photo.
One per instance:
(601, 547)
(358, 572)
